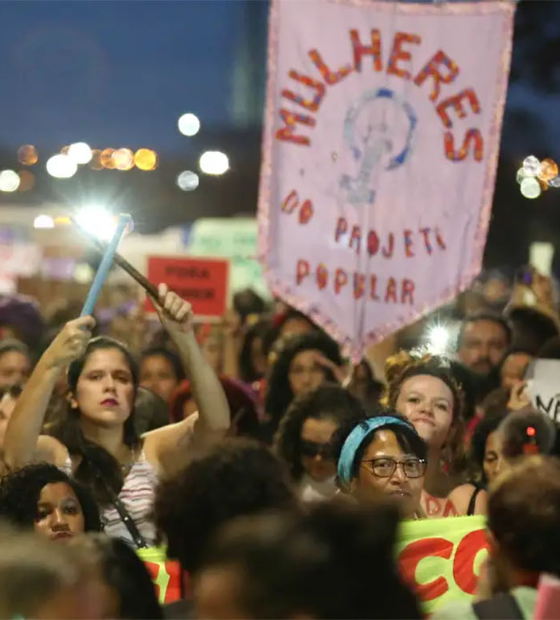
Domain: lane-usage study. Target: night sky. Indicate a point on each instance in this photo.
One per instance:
(113, 73)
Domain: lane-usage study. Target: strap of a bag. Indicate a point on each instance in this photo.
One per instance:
(503, 606)
(138, 539)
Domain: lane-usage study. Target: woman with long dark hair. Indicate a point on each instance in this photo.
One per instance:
(98, 442)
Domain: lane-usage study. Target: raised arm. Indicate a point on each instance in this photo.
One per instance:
(24, 427)
(177, 317)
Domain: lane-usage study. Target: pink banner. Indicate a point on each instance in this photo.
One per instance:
(380, 148)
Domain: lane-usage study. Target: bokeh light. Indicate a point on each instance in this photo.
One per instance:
(9, 181)
(106, 159)
(438, 339)
(27, 155)
(145, 159)
(61, 166)
(123, 159)
(214, 162)
(27, 180)
(548, 170)
(531, 165)
(188, 124)
(95, 162)
(43, 221)
(530, 188)
(555, 182)
(62, 220)
(521, 174)
(80, 152)
(188, 180)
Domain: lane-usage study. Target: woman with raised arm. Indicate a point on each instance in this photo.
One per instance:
(97, 442)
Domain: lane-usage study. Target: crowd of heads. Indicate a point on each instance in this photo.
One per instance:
(281, 514)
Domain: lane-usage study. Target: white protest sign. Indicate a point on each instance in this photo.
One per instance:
(543, 386)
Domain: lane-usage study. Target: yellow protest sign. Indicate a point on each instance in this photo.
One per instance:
(166, 574)
(441, 558)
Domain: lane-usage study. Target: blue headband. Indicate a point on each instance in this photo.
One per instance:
(355, 440)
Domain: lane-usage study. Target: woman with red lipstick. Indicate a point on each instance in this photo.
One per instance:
(42, 497)
(97, 441)
(424, 390)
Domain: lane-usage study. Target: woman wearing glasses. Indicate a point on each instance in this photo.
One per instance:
(305, 438)
(384, 454)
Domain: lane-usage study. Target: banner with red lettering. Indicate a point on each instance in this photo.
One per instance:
(380, 148)
(441, 558)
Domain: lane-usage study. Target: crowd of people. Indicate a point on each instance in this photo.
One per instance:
(273, 471)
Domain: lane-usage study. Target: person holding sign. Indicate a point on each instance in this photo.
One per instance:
(424, 390)
(523, 519)
(97, 442)
(384, 454)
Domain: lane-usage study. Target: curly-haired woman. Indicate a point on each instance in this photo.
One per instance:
(42, 497)
(305, 438)
(425, 391)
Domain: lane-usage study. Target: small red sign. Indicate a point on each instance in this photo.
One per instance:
(201, 281)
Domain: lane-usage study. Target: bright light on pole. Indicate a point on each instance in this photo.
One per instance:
(188, 124)
(214, 162)
(438, 339)
(97, 221)
(61, 166)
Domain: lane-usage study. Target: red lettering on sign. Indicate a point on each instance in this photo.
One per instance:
(456, 103)
(290, 119)
(407, 294)
(322, 276)
(330, 77)
(472, 136)
(463, 565)
(399, 54)
(388, 251)
(412, 555)
(373, 285)
(426, 232)
(290, 202)
(356, 237)
(432, 70)
(372, 243)
(306, 212)
(340, 280)
(359, 285)
(318, 87)
(391, 292)
(302, 270)
(361, 50)
(408, 243)
(341, 228)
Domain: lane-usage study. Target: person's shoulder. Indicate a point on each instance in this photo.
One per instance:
(462, 495)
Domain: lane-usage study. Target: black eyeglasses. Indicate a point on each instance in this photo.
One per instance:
(313, 449)
(385, 466)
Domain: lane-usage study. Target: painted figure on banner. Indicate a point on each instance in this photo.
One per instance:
(379, 125)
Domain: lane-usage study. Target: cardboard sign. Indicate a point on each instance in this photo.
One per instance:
(441, 558)
(543, 386)
(381, 139)
(166, 574)
(201, 281)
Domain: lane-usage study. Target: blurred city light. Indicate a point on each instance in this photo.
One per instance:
(188, 124)
(555, 182)
(106, 159)
(548, 170)
(62, 220)
(95, 162)
(531, 165)
(27, 155)
(9, 181)
(123, 159)
(214, 162)
(97, 221)
(80, 152)
(145, 159)
(530, 188)
(187, 180)
(43, 221)
(61, 166)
